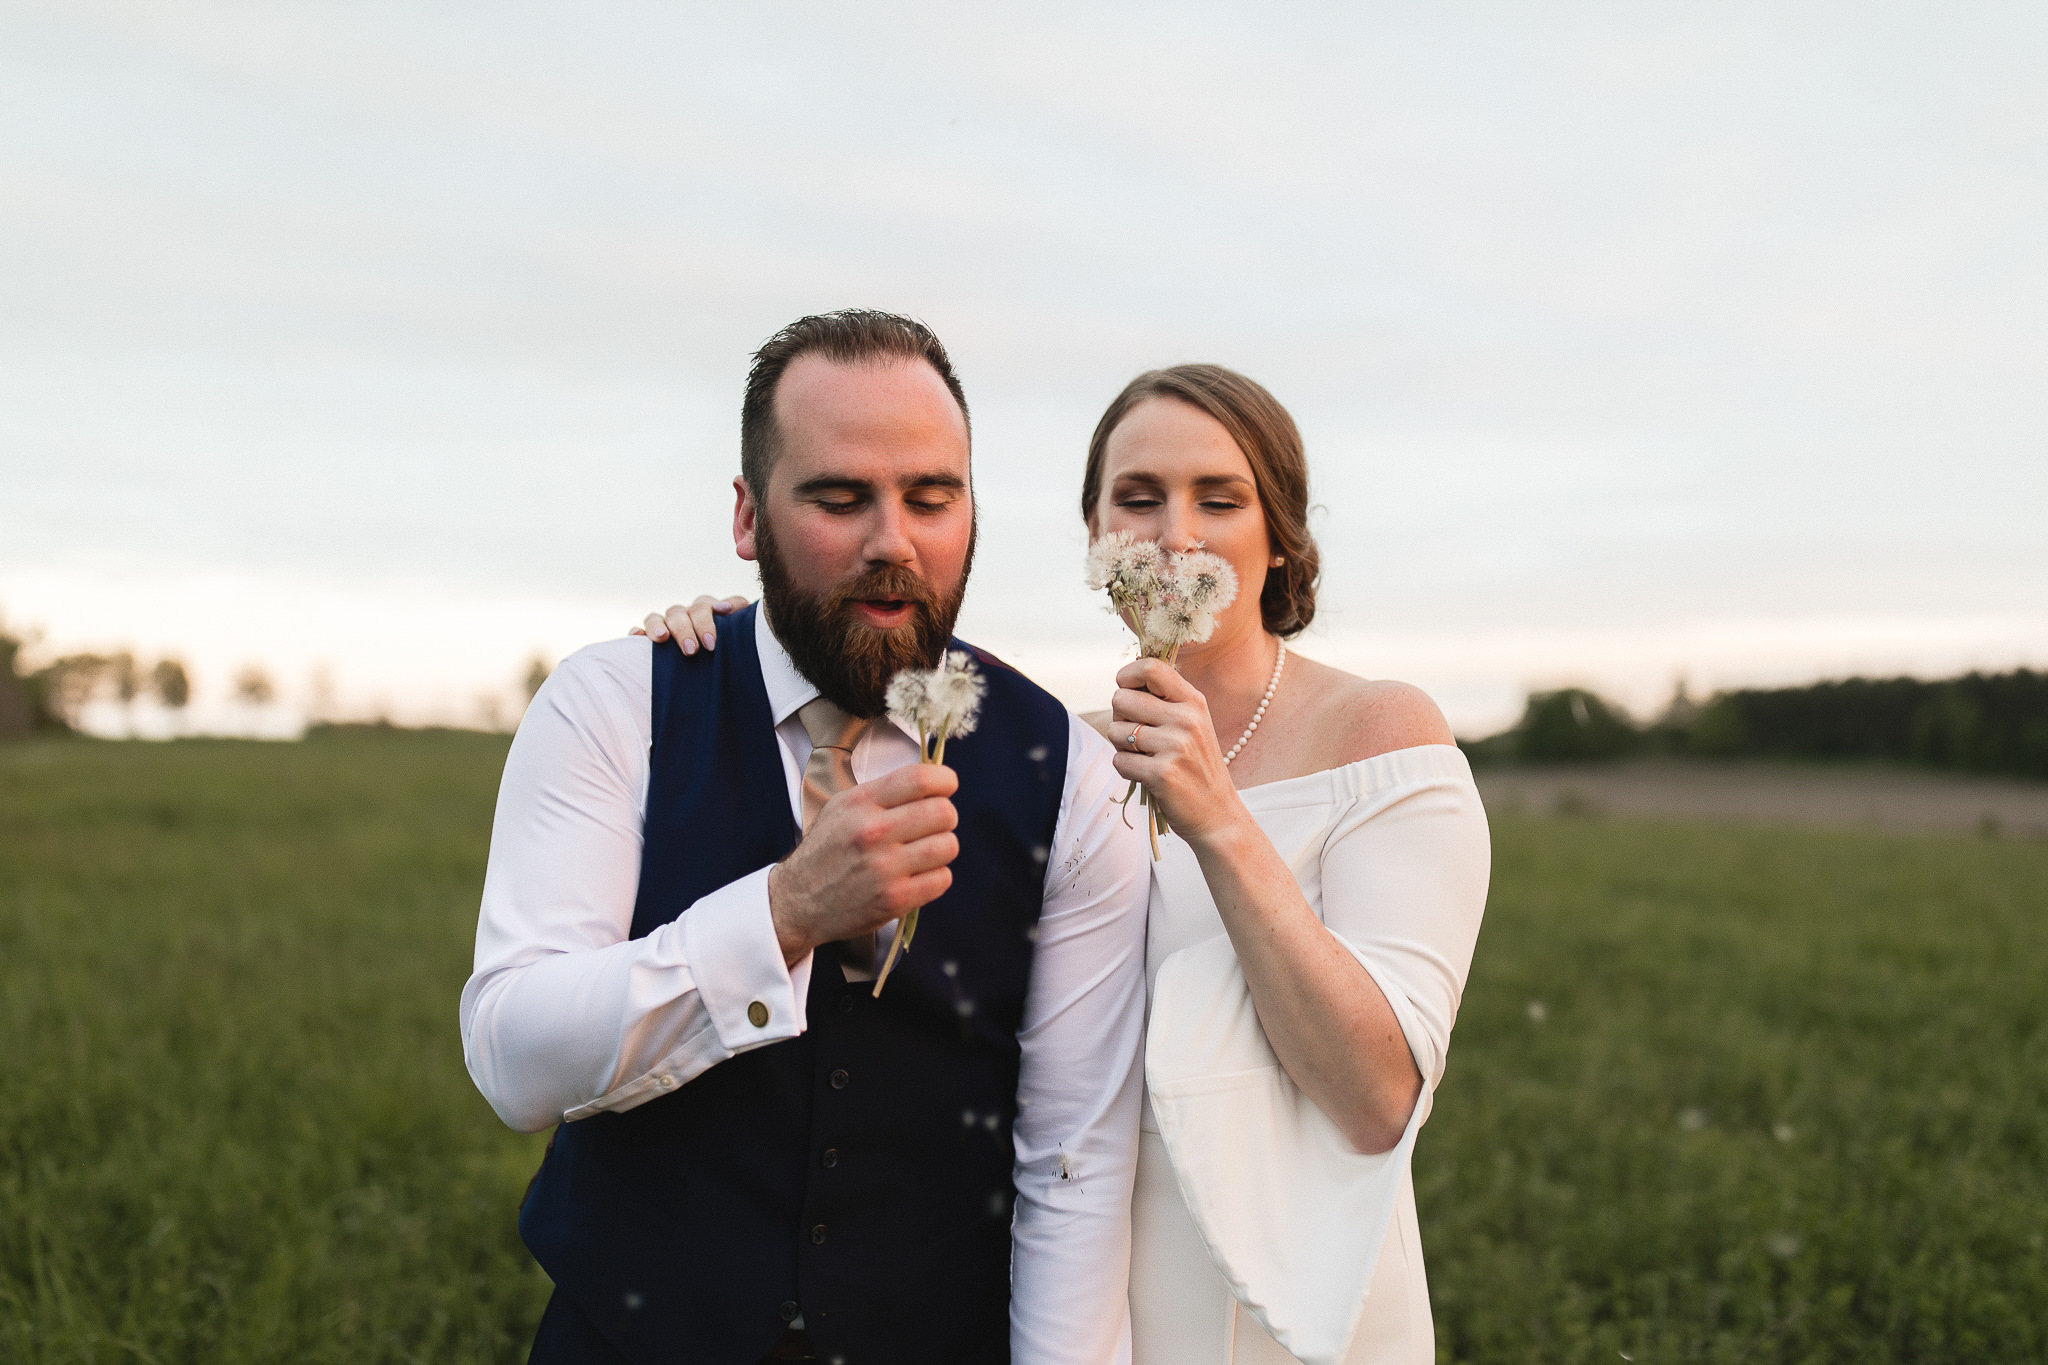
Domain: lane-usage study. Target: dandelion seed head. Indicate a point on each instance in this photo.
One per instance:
(1174, 622)
(1100, 565)
(1538, 1011)
(943, 701)
(1692, 1120)
(955, 691)
(1129, 568)
(1205, 579)
(905, 698)
(1782, 1245)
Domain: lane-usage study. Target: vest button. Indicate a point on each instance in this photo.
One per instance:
(839, 1080)
(831, 1157)
(818, 1235)
(787, 1312)
(846, 1002)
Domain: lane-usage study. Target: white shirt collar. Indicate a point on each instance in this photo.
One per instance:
(787, 689)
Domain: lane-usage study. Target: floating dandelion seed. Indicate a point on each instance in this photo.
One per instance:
(1692, 1120)
(1538, 1011)
(1782, 1245)
(1782, 1132)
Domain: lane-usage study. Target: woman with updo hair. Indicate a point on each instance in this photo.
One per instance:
(1312, 917)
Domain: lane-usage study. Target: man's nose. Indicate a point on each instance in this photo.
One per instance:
(887, 541)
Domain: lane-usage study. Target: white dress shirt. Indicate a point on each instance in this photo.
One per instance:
(565, 1016)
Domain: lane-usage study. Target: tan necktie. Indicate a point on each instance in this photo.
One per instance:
(828, 772)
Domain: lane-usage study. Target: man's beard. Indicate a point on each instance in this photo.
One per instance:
(849, 661)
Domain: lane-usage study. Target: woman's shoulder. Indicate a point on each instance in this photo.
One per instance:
(1354, 718)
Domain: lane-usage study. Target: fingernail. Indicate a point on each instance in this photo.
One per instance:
(710, 639)
(658, 634)
(689, 645)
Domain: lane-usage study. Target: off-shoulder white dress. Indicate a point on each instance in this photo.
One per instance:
(1260, 1237)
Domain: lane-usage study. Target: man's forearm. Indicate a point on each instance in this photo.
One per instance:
(572, 1032)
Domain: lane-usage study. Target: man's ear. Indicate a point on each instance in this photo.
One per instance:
(743, 514)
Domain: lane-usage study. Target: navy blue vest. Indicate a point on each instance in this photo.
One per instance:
(861, 1173)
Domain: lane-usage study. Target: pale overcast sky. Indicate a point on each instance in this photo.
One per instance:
(405, 340)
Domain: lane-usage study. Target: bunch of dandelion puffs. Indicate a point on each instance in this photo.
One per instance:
(1168, 599)
(940, 703)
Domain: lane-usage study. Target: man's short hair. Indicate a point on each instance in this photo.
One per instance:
(847, 337)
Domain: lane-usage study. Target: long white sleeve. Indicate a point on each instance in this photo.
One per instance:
(1077, 1119)
(565, 1015)
(1405, 867)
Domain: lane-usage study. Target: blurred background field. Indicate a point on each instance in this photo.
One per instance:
(1718, 1093)
(235, 1119)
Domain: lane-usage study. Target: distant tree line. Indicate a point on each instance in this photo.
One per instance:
(1980, 722)
(54, 696)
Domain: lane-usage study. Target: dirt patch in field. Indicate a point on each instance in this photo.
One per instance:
(1776, 794)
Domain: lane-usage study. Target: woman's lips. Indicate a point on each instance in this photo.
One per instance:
(883, 612)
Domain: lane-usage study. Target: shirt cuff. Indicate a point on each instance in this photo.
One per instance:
(736, 961)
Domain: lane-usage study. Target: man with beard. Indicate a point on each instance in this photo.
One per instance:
(696, 864)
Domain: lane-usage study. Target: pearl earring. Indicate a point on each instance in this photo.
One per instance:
(1278, 560)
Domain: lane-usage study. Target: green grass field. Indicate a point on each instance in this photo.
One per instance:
(1783, 1102)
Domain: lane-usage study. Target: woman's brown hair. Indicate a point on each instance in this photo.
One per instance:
(1270, 442)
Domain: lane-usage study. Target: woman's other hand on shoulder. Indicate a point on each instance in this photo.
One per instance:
(698, 621)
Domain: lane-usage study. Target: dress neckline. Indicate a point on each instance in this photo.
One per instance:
(1382, 770)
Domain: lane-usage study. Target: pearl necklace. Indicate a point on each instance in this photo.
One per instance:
(1264, 702)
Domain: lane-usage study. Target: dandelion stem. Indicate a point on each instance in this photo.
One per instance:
(903, 932)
